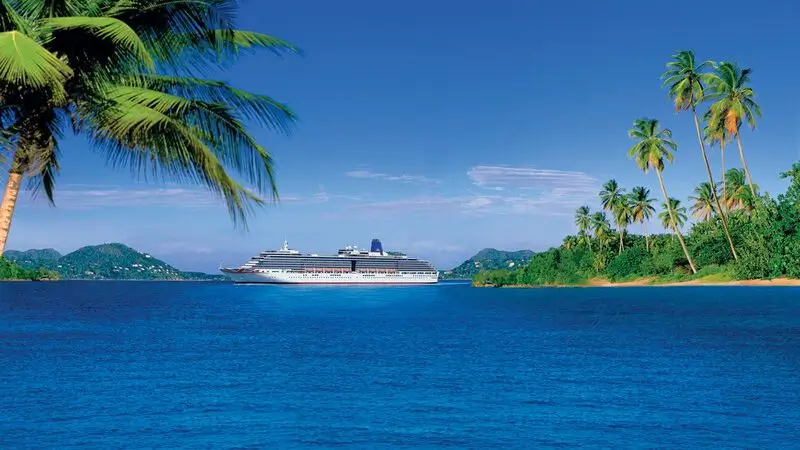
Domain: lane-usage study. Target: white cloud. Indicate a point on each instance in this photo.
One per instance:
(509, 190)
(86, 197)
(366, 174)
(564, 182)
(472, 205)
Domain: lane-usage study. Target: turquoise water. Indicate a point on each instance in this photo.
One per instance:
(193, 365)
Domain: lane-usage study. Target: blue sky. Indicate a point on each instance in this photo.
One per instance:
(444, 130)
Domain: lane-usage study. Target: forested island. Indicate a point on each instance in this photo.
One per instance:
(97, 262)
(488, 259)
(740, 233)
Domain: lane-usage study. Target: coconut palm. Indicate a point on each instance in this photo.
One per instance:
(673, 215)
(715, 133)
(653, 146)
(738, 196)
(642, 209)
(610, 194)
(583, 219)
(584, 239)
(569, 241)
(89, 65)
(623, 216)
(686, 86)
(611, 197)
(733, 103)
(601, 228)
(703, 206)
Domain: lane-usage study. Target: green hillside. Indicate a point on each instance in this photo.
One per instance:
(104, 262)
(9, 270)
(33, 257)
(485, 260)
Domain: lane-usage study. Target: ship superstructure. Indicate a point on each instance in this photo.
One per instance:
(349, 266)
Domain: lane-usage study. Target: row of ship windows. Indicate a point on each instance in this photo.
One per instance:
(358, 266)
(338, 262)
(419, 275)
(362, 274)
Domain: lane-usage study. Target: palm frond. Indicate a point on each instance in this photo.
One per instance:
(11, 20)
(107, 28)
(265, 110)
(23, 62)
(182, 140)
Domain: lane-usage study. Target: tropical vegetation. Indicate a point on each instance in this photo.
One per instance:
(736, 231)
(101, 262)
(486, 260)
(10, 270)
(129, 76)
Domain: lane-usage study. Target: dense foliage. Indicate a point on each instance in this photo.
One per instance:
(739, 233)
(487, 260)
(130, 76)
(103, 262)
(9, 270)
(766, 234)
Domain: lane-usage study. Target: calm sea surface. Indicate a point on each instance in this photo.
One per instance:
(193, 365)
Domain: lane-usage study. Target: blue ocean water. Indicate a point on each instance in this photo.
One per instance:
(196, 365)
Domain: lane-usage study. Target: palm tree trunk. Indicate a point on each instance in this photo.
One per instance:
(720, 211)
(7, 206)
(674, 222)
(744, 164)
(722, 154)
(646, 236)
(621, 245)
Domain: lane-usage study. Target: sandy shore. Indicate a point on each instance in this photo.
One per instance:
(698, 282)
(646, 282)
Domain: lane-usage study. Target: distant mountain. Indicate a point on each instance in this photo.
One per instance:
(104, 262)
(32, 257)
(487, 259)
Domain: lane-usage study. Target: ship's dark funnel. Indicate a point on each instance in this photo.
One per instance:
(376, 246)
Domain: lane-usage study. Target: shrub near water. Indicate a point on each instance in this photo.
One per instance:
(11, 271)
(767, 238)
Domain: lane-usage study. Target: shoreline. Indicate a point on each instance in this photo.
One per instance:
(648, 282)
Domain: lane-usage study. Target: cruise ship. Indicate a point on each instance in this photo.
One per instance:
(349, 266)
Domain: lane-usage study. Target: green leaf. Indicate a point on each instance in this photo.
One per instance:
(267, 111)
(26, 63)
(107, 28)
(179, 139)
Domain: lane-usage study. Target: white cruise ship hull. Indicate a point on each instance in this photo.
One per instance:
(279, 277)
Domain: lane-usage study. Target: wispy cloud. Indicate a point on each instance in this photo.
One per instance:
(514, 190)
(86, 197)
(387, 177)
(530, 178)
(473, 205)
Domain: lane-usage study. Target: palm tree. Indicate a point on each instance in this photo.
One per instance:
(685, 82)
(738, 195)
(733, 104)
(623, 216)
(642, 209)
(716, 133)
(90, 66)
(673, 215)
(601, 228)
(583, 219)
(584, 239)
(611, 197)
(569, 241)
(703, 206)
(653, 147)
